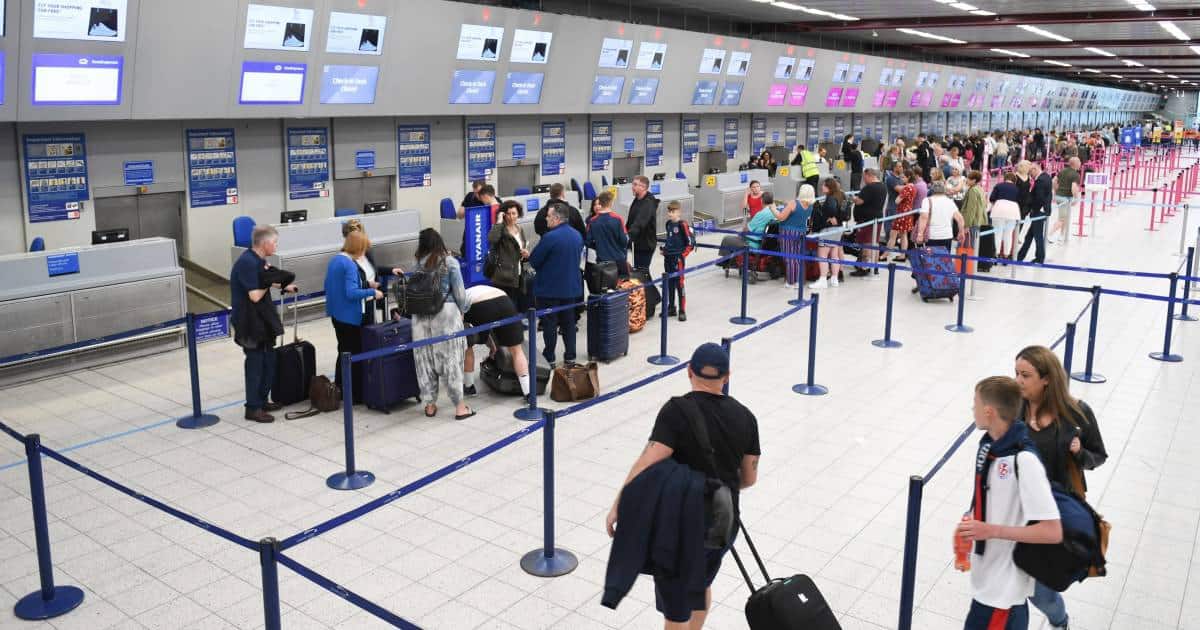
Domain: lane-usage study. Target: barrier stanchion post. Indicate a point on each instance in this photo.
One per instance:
(548, 561)
(1166, 355)
(887, 341)
(1183, 230)
(908, 572)
(662, 358)
(49, 601)
(810, 387)
(1088, 375)
(1153, 205)
(1069, 348)
(198, 419)
(268, 552)
(743, 319)
(959, 326)
(531, 412)
(351, 478)
(1183, 315)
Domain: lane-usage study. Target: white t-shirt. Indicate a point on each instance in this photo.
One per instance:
(941, 216)
(482, 292)
(996, 580)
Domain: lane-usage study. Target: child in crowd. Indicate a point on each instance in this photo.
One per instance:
(1004, 502)
(679, 243)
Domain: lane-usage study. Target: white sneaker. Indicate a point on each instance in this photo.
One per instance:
(833, 281)
(819, 284)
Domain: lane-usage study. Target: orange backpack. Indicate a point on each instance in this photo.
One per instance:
(637, 304)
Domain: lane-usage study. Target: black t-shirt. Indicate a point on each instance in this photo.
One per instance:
(874, 196)
(471, 201)
(732, 430)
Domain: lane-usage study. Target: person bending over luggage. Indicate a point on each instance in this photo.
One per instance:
(1003, 503)
(348, 289)
(678, 245)
(643, 210)
(508, 247)
(256, 324)
(1067, 437)
(606, 235)
(733, 437)
(558, 283)
(445, 359)
(489, 304)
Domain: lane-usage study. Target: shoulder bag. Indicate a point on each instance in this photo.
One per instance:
(573, 382)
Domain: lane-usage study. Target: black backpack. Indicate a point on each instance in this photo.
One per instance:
(718, 496)
(420, 292)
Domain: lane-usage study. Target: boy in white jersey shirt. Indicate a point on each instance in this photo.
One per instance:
(1003, 505)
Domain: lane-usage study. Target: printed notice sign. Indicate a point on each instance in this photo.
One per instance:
(278, 28)
(97, 20)
(355, 34)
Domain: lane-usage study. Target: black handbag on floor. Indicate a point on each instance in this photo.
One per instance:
(792, 603)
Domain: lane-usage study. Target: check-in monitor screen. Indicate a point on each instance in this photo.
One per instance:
(278, 28)
(472, 87)
(60, 79)
(272, 83)
(712, 61)
(785, 67)
(606, 90)
(98, 20)
(643, 91)
(732, 93)
(739, 63)
(651, 56)
(523, 88)
(705, 94)
(480, 43)
(348, 85)
(614, 53)
(355, 34)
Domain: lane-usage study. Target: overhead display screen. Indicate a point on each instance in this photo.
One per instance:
(732, 94)
(841, 72)
(651, 56)
(777, 95)
(856, 73)
(785, 67)
(885, 77)
(804, 69)
(530, 46)
(643, 91)
(278, 28)
(523, 88)
(898, 77)
(614, 53)
(705, 94)
(606, 90)
(480, 43)
(472, 87)
(99, 20)
(60, 79)
(271, 83)
(739, 64)
(712, 61)
(355, 34)
(348, 85)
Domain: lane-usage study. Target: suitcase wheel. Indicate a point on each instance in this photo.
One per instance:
(726, 272)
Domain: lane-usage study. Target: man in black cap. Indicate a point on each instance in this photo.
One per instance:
(733, 434)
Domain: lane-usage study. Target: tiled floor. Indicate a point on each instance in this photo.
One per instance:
(830, 501)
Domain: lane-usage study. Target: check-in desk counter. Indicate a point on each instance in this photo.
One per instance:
(103, 290)
(452, 229)
(666, 191)
(306, 248)
(786, 183)
(720, 196)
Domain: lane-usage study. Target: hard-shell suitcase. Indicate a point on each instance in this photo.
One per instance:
(498, 374)
(389, 380)
(295, 365)
(608, 327)
(935, 275)
(793, 603)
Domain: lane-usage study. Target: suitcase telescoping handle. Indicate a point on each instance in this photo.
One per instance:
(753, 552)
(295, 315)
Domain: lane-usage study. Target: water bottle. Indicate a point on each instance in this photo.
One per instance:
(962, 550)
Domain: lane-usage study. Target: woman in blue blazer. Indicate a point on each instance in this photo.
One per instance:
(347, 290)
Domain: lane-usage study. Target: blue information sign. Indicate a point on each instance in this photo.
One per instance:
(758, 135)
(139, 173)
(212, 167)
(554, 148)
(210, 326)
(601, 144)
(630, 145)
(790, 133)
(814, 131)
(364, 160)
(731, 137)
(518, 151)
(654, 142)
(414, 157)
(690, 139)
(56, 177)
(712, 139)
(62, 264)
(481, 151)
(308, 162)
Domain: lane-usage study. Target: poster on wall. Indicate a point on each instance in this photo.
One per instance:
(614, 53)
(856, 73)
(212, 168)
(477, 42)
(790, 129)
(885, 77)
(898, 77)
(739, 64)
(308, 162)
(814, 130)
(601, 144)
(414, 156)
(689, 139)
(785, 67)
(651, 56)
(355, 34)
(481, 151)
(731, 137)
(278, 28)
(96, 20)
(758, 135)
(56, 177)
(530, 46)
(654, 142)
(554, 148)
(712, 61)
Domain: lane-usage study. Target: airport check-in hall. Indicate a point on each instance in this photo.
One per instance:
(722, 314)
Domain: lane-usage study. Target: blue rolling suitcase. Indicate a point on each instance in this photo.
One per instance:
(391, 379)
(935, 275)
(608, 327)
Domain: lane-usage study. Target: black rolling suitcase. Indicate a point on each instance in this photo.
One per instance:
(792, 603)
(608, 327)
(295, 365)
(389, 380)
(653, 295)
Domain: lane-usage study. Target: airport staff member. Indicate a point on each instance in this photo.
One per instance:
(643, 235)
(256, 323)
(809, 167)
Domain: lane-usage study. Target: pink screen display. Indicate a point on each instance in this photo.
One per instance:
(915, 101)
(798, 94)
(893, 97)
(877, 101)
(850, 97)
(834, 97)
(777, 95)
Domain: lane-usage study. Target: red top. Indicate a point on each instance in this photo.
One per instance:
(754, 204)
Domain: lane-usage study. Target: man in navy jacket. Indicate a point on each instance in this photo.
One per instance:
(557, 283)
(607, 236)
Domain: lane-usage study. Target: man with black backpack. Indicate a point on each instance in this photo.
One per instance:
(704, 415)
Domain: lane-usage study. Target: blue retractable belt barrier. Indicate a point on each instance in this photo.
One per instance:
(345, 593)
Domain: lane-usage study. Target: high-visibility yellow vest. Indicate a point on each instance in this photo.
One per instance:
(808, 164)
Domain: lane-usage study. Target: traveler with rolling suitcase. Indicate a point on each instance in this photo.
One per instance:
(255, 321)
(349, 284)
(558, 282)
(793, 603)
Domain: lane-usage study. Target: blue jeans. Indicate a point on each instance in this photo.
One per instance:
(1051, 603)
(260, 375)
(562, 321)
(982, 617)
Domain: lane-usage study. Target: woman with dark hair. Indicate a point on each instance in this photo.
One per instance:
(830, 212)
(509, 247)
(444, 359)
(1067, 438)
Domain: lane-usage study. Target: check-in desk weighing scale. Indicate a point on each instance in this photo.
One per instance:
(306, 248)
(786, 183)
(58, 297)
(666, 191)
(720, 196)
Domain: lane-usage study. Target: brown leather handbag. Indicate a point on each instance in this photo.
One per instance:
(323, 395)
(573, 382)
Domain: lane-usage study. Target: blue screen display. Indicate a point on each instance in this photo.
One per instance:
(705, 94)
(643, 91)
(523, 88)
(472, 87)
(732, 94)
(607, 90)
(349, 85)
